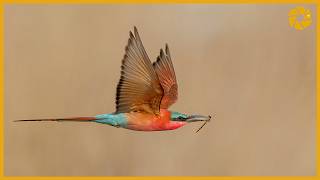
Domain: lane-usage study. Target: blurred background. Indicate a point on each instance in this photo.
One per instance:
(242, 64)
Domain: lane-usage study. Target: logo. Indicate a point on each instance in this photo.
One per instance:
(299, 18)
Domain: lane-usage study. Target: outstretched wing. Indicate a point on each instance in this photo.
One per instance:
(165, 71)
(139, 88)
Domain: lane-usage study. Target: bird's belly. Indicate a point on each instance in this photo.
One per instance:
(150, 122)
(146, 125)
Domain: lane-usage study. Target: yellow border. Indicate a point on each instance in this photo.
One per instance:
(159, 1)
(3, 2)
(1, 91)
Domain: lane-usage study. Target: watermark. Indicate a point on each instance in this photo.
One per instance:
(299, 18)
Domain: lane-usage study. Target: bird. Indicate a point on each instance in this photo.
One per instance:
(144, 93)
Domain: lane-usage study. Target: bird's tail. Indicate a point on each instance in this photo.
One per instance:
(77, 119)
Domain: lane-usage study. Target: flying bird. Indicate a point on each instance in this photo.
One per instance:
(144, 93)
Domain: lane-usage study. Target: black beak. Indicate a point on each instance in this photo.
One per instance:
(195, 118)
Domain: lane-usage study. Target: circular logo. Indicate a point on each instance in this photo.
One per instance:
(299, 18)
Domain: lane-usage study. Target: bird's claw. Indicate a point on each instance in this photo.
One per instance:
(116, 125)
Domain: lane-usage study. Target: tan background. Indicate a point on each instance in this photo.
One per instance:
(241, 63)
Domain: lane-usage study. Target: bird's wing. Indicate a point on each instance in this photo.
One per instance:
(165, 71)
(139, 88)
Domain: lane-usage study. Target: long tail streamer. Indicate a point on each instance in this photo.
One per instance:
(78, 119)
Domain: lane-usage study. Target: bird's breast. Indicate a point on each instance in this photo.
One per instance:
(151, 122)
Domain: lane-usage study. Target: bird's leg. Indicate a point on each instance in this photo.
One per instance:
(115, 124)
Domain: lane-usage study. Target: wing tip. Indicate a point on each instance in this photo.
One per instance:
(136, 33)
(161, 53)
(131, 35)
(167, 49)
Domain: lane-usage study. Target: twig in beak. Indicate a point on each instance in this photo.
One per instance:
(202, 126)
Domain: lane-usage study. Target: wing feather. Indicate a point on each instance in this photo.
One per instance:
(165, 71)
(139, 88)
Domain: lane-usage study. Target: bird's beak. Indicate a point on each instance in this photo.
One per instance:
(195, 118)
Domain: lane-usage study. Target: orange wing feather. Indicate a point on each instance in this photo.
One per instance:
(165, 71)
(139, 88)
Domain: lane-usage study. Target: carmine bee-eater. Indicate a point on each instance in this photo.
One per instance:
(144, 93)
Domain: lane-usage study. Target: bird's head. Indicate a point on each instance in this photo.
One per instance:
(184, 118)
(176, 116)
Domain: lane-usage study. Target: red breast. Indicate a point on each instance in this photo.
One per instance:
(150, 122)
